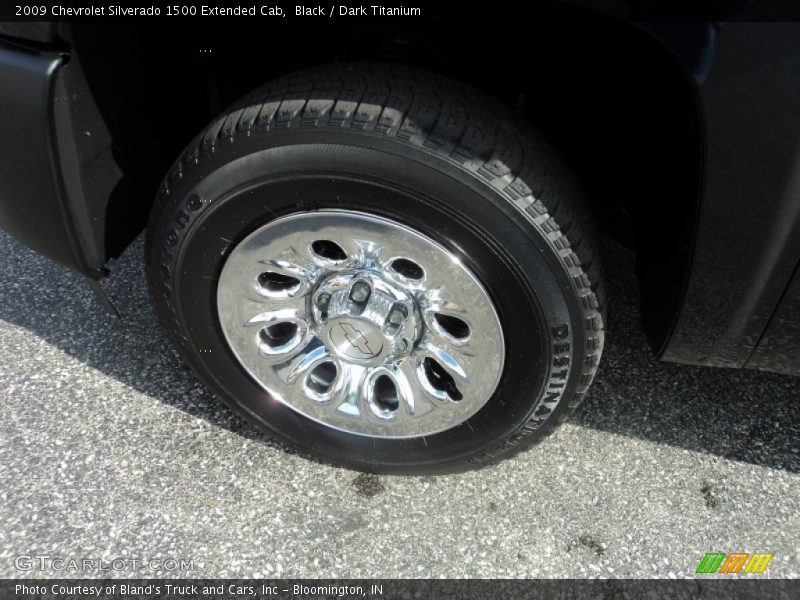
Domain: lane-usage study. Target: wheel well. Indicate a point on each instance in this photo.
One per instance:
(615, 102)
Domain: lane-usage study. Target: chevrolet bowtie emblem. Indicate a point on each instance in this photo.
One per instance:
(356, 339)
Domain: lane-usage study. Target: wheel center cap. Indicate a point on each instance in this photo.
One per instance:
(356, 339)
(364, 318)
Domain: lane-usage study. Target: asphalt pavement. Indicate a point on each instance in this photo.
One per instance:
(110, 449)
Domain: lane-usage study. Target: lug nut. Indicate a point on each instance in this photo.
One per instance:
(360, 292)
(323, 299)
(398, 314)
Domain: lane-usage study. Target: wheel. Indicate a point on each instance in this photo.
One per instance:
(381, 267)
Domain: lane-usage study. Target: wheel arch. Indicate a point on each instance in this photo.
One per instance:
(614, 99)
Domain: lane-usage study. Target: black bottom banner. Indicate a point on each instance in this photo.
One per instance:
(255, 589)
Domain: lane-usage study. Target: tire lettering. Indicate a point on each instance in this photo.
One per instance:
(559, 372)
(181, 219)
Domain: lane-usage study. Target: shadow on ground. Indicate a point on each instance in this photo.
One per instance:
(742, 415)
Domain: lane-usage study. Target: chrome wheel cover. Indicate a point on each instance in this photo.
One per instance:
(361, 323)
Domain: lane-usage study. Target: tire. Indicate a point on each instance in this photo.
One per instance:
(419, 151)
